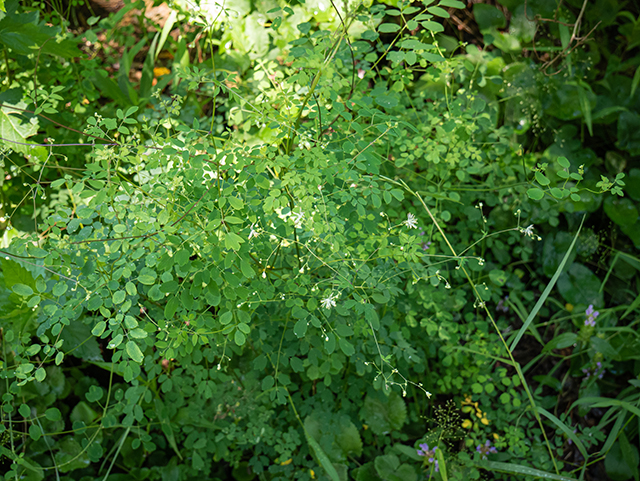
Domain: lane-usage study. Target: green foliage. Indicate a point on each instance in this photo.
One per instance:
(294, 232)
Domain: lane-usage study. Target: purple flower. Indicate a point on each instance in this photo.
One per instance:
(486, 449)
(591, 316)
(430, 454)
(424, 449)
(501, 307)
(597, 371)
(426, 245)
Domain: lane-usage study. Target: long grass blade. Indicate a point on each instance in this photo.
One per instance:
(546, 292)
(565, 429)
(521, 470)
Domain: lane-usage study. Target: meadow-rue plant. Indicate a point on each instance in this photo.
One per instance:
(162, 315)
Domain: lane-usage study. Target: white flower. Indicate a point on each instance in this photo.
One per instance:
(253, 232)
(411, 222)
(329, 302)
(528, 231)
(298, 218)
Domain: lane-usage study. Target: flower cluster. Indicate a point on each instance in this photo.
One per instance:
(411, 222)
(486, 449)
(501, 307)
(591, 316)
(429, 454)
(528, 232)
(425, 245)
(329, 301)
(597, 372)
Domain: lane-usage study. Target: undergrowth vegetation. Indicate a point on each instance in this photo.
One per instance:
(320, 240)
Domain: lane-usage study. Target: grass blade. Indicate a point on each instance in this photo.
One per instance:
(546, 292)
(521, 470)
(325, 462)
(605, 402)
(565, 429)
(442, 465)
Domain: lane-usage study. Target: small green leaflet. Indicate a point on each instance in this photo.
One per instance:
(134, 352)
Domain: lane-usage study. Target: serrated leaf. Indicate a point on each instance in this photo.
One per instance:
(15, 130)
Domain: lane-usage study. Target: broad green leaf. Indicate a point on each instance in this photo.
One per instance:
(553, 251)
(579, 285)
(621, 210)
(40, 374)
(25, 34)
(22, 290)
(434, 27)
(488, 16)
(80, 342)
(134, 352)
(300, 328)
(622, 464)
(540, 177)
(452, 4)
(388, 28)
(389, 468)
(239, 338)
(346, 347)
(535, 193)
(53, 414)
(384, 414)
(560, 342)
(165, 425)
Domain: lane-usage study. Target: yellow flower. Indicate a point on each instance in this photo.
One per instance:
(313, 474)
(160, 71)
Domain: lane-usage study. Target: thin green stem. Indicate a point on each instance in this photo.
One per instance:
(488, 313)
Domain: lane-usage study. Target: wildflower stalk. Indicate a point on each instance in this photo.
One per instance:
(513, 362)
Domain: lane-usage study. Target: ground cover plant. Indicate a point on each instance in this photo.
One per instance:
(320, 240)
